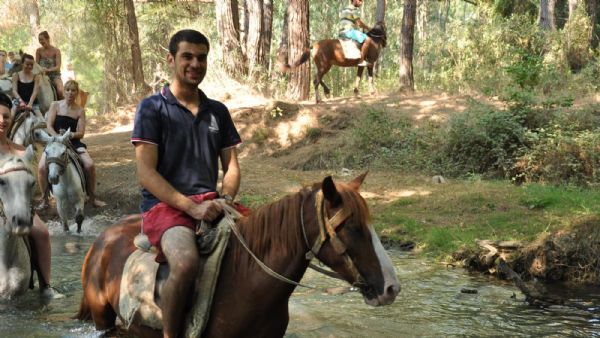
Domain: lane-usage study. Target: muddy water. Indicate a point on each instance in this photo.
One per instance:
(430, 304)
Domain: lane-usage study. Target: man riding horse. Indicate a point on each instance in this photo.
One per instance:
(349, 22)
(179, 136)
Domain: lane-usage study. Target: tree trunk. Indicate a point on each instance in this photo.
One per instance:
(406, 48)
(380, 11)
(423, 10)
(547, 20)
(592, 9)
(572, 7)
(245, 27)
(267, 32)
(228, 26)
(253, 44)
(141, 88)
(33, 11)
(298, 35)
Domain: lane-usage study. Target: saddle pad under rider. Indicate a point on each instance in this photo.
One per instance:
(350, 48)
(136, 300)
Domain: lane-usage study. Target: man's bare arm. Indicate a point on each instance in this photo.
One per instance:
(231, 171)
(146, 155)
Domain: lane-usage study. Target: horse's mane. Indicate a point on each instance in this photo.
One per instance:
(377, 33)
(275, 227)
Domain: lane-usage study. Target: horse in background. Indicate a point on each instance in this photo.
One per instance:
(66, 180)
(329, 52)
(17, 184)
(328, 220)
(26, 121)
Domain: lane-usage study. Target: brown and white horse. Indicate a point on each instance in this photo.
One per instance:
(329, 220)
(329, 52)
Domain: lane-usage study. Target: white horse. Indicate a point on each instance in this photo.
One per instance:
(16, 193)
(67, 186)
(24, 125)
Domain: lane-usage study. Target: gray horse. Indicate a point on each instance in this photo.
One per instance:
(67, 185)
(16, 193)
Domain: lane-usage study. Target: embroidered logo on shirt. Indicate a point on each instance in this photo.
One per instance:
(214, 126)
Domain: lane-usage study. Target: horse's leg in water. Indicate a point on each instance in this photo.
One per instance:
(370, 76)
(359, 73)
(79, 219)
(62, 214)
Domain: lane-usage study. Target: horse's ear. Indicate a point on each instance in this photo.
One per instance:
(330, 192)
(41, 135)
(29, 153)
(66, 135)
(358, 181)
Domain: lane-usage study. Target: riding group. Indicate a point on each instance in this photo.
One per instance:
(194, 262)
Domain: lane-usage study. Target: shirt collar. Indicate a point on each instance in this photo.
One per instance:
(166, 93)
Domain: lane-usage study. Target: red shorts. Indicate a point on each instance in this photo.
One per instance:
(162, 217)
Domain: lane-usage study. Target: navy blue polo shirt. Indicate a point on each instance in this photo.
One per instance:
(188, 146)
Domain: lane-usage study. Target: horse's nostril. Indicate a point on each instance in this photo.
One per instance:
(393, 289)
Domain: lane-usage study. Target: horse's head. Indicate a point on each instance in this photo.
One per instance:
(378, 33)
(351, 247)
(56, 153)
(31, 121)
(16, 192)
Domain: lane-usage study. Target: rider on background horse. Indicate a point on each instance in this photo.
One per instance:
(49, 58)
(179, 136)
(63, 115)
(349, 23)
(26, 87)
(39, 235)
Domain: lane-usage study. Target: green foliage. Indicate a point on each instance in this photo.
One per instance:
(526, 71)
(484, 140)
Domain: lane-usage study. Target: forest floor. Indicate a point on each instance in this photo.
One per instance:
(408, 209)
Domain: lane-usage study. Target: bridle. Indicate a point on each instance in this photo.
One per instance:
(327, 230)
(11, 170)
(61, 160)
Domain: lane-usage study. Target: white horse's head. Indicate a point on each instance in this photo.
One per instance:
(16, 192)
(56, 153)
(24, 135)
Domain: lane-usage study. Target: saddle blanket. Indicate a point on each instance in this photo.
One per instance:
(350, 49)
(137, 302)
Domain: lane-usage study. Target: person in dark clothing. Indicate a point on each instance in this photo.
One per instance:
(62, 115)
(26, 87)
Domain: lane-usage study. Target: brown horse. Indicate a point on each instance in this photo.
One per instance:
(329, 52)
(328, 219)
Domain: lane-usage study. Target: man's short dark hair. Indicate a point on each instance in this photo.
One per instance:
(5, 101)
(187, 35)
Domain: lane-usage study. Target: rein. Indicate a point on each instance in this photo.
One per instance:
(327, 230)
(13, 169)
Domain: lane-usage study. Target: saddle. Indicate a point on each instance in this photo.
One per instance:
(350, 48)
(140, 295)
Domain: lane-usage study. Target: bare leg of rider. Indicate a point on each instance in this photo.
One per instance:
(364, 50)
(43, 181)
(59, 88)
(40, 240)
(179, 246)
(90, 170)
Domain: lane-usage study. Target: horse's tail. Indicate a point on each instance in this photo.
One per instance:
(284, 67)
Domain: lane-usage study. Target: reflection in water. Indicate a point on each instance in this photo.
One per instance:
(429, 305)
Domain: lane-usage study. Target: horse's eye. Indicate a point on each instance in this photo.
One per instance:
(2, 181)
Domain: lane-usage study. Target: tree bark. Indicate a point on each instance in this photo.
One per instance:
(140, 86)
(406, 48)
(380, 11)
(267, 34)
(298, 33)
(547, 19)
(228, 26)
(572, 7)
(592, 9)
(33, 11)
(253, 44)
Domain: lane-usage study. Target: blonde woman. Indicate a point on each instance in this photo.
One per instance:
(62, 115)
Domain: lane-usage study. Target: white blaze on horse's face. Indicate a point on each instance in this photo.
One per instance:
(16, 192)
(391, 286)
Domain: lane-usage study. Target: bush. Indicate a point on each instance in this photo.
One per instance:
(484, 140)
